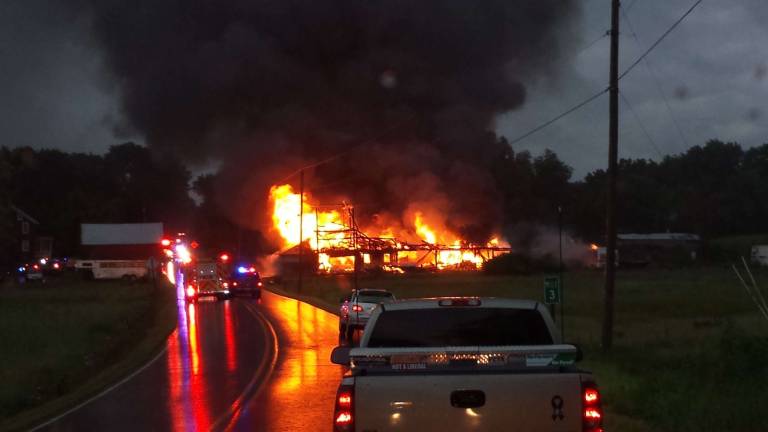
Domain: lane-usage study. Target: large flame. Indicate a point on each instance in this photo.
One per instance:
(422, 240)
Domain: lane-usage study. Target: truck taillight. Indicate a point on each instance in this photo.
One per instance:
(357, 308)
(592, 411)
(343, 413)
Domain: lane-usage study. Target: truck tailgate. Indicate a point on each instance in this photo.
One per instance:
(525, 402)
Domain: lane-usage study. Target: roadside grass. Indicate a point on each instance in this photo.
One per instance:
(67, 340)
(690, 349)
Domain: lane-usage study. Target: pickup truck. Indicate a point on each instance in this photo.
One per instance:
(451, 364)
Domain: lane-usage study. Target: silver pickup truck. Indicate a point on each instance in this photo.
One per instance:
(455, 364)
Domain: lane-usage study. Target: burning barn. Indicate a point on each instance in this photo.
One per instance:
(333, 242)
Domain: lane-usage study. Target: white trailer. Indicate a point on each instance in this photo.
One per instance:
(119, 251)
(114, 269)
(760, 255)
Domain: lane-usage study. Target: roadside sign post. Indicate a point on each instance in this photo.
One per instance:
(552, 292)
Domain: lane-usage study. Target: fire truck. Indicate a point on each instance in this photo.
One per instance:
(206, 278)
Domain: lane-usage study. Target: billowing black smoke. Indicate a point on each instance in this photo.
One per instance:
(267, 86)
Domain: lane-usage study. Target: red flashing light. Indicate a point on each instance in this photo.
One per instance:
(190, 291)
(165, 242)
(252, 270)
(194, 244)
(224, 257)
(357, 308)
(260, 284)
(56, 265)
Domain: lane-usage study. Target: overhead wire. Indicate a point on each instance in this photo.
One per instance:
(622, 75)
(657, 81)
(558, 117)
(642, 126)
(661, 38)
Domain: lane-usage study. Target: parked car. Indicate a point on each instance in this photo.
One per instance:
(355, 312)
(245, 281)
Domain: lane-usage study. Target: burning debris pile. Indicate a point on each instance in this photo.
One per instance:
(334, 236)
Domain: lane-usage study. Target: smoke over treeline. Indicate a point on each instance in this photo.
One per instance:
(267, 86)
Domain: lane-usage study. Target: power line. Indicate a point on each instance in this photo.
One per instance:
(590, 99)
(589, 45)
(642, 126)
(658, 41)
(558, 117)
(657, 81)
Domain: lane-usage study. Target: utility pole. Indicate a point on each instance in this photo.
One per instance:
(560, 270)
(301, 227)
(613, 150)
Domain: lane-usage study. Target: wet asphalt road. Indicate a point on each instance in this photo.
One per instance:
(232, 365)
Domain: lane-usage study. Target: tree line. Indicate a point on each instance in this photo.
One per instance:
(713, 190)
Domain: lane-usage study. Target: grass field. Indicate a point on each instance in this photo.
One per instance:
(67, 339)
(691, 350)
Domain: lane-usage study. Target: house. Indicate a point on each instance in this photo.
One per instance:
(28, 245)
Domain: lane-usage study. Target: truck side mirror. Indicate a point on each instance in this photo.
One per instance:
(340, 355)
(579, 353)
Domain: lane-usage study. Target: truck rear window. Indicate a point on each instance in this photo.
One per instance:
(459, 327)
(374, 297)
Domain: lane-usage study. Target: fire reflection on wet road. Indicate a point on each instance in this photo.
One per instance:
(300, 394)
(210, 362)
(214, 374)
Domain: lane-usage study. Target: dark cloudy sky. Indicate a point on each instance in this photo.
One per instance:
(713, 71)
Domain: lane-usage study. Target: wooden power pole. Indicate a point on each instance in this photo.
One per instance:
(613, 150)
(301, 228)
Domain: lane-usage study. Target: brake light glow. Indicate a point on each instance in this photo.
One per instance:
(357, 308)
(165, 242)
(459, 302)
(591, 396)
(260, 284)
(343, 419)
(345, 400)
(592, 416)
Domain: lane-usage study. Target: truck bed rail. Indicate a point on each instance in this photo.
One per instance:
(463, 358)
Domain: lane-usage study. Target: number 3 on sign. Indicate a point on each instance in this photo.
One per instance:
(552, 290)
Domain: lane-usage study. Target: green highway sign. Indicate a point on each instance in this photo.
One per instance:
(552, 290)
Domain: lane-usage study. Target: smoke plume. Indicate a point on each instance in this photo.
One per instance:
(405, 91)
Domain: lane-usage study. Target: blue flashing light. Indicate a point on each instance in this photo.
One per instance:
(242, 270)
(21, 269)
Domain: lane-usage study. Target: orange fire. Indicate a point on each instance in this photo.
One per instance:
(422, 240)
